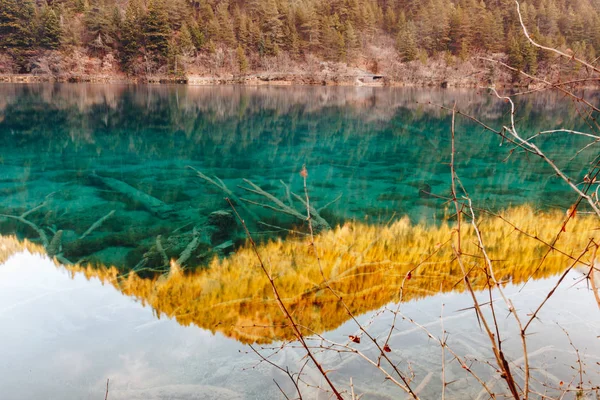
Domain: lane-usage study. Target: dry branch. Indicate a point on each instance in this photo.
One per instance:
(290, 319)
(280, 207)
(218, 183)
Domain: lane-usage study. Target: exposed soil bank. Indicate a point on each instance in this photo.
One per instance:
(473, 73)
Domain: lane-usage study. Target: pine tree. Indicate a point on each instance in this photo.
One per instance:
(16, 24)
(548, 20)
(406, 43)
(529, 56)
(49, 33)
(225, 34)
(185, 42)
(99, 26)
(168, 30)
(243, 31)
(515, 57)
(210, 25)
(459, 33)
(174, 62)
(131, 36)
(271, 26)
(196, 34)
(156, 29)
(308, 22)
(242, 60)
(350, 39)
(81, 6)
(291, 39)
(390, 20)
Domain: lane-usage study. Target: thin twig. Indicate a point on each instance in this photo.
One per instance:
(293, 325)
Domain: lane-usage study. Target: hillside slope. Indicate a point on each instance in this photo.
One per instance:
(411, 42)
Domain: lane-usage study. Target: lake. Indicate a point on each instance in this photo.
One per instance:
(121, 258)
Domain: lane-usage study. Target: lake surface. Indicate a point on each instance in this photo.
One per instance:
(136, 177)
(89, 151)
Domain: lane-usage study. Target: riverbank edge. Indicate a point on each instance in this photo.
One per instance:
(285, 79)
(272, 79)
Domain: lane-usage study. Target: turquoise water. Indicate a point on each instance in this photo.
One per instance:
(101, 174)
(115, 160)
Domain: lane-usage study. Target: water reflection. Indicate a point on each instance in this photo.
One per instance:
(63, 336)
(101, 171)
(367, 265)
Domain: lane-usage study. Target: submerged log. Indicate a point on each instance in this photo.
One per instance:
(149, 203)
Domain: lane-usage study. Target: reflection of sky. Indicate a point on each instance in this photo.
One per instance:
(62, 338)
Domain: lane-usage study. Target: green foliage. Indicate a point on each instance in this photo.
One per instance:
(50, 33)
(131, 37)
(242, 60)
(101, 30)
(406, 42)
(156, 30)
(16, 24)
(225, 32)
(185, 42)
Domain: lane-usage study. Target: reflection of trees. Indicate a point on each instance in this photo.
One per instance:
(365, 264)
(188, 122)
(382, 149)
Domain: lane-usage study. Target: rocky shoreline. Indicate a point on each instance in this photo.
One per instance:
(475, 77)
(276, 79)
(423, 76)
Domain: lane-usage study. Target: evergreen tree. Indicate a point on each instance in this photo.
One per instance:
(157, 31)
(50, 32)
(406, 42)
(515, 56)
(291, 39)
(81, 6)
(350, 39)
(242, 60)
(390, 20)
(100, 28)
(548, 20)
(196, 34)
(225, 34)
(16, 24)
(131, 36)
(168, 31)
(308, 22)
(459, 33)
(530, 57)
(271, 26)
(210, 25)
(185, 42)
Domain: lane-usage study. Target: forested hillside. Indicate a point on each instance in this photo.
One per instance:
(175, 37)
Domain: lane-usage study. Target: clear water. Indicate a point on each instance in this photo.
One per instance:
(63, 337)
(84, 152)
(383, 150)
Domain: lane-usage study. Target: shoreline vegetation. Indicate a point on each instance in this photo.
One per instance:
(433, 43)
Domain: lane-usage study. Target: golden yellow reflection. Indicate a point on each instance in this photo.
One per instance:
(365, 264)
